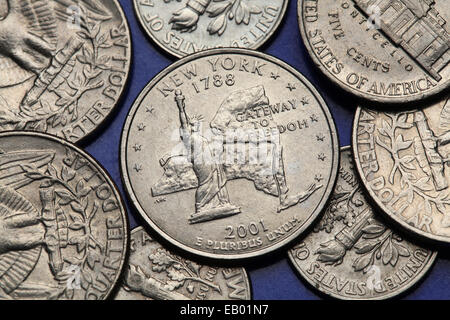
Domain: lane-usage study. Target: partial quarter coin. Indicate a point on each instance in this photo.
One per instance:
(402, 158)
(63, 224)
(354, 256)
(154, 273)
(380, 50)
(229, 154)
(63, 65)
(189, 26)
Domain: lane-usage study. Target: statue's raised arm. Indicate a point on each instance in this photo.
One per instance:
(179, 98)
(185, 129)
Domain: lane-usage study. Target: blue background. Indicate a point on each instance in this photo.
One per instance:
(273, 277)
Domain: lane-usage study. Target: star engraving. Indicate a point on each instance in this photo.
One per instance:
(149, 109)
(291, 87)
(304, 101)
(274, 76)
(321, 157)
(137, 147)
(141, 127)
(320, 137)
(314, 118)
(318, 177)
(138, 168)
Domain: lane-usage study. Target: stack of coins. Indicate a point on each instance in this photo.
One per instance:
(228, 156)
(388, 213)
(64, 231)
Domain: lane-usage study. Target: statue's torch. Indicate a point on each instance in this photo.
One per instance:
(59, 69)
(333, 251)
(179, 98)
(434, 158)
(49, 219)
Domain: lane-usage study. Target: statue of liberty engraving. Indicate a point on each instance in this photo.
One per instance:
(211, 198)
(233, 152)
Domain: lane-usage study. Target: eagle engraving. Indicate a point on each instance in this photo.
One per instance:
(20, 251)
(29, 33)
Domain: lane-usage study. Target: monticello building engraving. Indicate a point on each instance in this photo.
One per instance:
(415, 26)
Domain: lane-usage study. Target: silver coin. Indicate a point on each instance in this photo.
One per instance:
(63, 65)
(185, 27)
(229, 154)
(351, 254)
(63, 225)
(154, 273)
(381, 50)
(402, 158)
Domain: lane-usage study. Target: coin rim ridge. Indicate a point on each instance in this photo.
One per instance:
(247, 278)
(255, 253)
(103, 125)
(357, 93)
(374, 199)
(323, 290)
(179, 56)
(109, 180)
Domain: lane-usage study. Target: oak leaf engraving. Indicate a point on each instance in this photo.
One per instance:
(405, 167)
(182, 273)
(378, 243)
(220, 12)
(74, 213)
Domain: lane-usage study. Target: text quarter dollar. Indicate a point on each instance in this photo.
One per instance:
(63, 65)
(155, 273)
(63, 225)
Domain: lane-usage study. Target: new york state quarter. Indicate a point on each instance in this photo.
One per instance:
(229, 154)
(403, 159)
(63, 226)
(63, 65)
(189, 26)
(154, 273)
(353, 255)
(381, 50)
